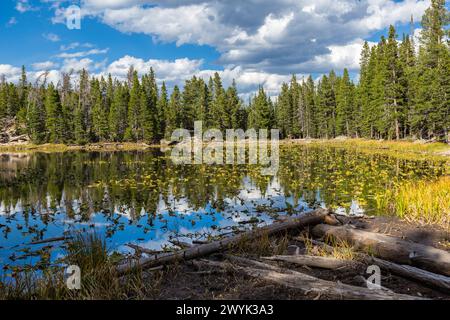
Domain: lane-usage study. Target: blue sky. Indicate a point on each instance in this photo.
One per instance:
(256, 42)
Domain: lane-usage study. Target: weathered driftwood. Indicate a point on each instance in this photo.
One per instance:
(332, 221)
(310, 218)
(199, 242)
(314, 262)
(309, 284)
(429, 279)
(23, 137)
(390, 248)
(181, 244)
(144, 250)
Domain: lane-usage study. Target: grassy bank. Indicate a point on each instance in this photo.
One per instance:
(50, 148)
(422, 201)
(387, 147)
(98, 271)
(415, 147)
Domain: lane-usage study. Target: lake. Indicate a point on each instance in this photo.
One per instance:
(143, 198)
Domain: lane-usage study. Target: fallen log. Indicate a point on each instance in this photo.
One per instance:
(390, 248)
(23, 137)
(144, 250)
(314, 262)
(310, 218)
(309, 284)
(429, 279)
(180, 244)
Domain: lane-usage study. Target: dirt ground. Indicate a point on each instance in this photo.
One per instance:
(188, 281)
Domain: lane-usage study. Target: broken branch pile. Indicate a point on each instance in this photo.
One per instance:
(397, 256)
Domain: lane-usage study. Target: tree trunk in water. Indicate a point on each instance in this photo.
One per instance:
(310, 218)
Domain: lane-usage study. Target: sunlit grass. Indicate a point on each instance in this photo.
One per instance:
(402, 148)
(403, 145)
(423, 201)
(338, 249)
(55, 148)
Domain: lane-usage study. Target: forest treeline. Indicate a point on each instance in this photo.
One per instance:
(402, 92)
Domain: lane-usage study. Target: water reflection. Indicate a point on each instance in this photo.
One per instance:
(142, 197)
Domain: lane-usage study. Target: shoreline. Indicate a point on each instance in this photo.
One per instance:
(401, 146)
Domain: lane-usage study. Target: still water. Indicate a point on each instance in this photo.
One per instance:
(143, 198)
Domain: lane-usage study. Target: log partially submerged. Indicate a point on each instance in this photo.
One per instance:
(309, 284)
(310, 218)
(390, 248)
(314, 262)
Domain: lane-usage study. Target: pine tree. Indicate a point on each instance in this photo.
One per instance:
(219, 117)
(395, 113)
(154, 107)
(173, 116)
(3, 98)
(99, 110)
(23, 96)
(233, 108)
(36, 116)
(262, 112)
(69, 101)
(82, 116)
(430, 115)
(408, 64)
(363, 121)
(163, 105)
(344, 106)
(134, 129)
(310, 107)
(149, 109)
(296, 108)
(118, 122)
(284, 111)
(12, 104)
(54, 121)
(202, 109)
(377, 92)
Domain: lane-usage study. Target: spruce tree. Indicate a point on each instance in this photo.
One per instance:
(262, 113)
(99, 110)
(394, 112)
(233, 108)
(310, 107)
(344, 106)
(118, 113)
(163, 105)
(36, 116)
(173, 116)
(430, 115)
(54, 121)
(284, 111)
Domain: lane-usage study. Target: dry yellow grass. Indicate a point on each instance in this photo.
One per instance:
(403, 149)
(341, 250)
(422, 201)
